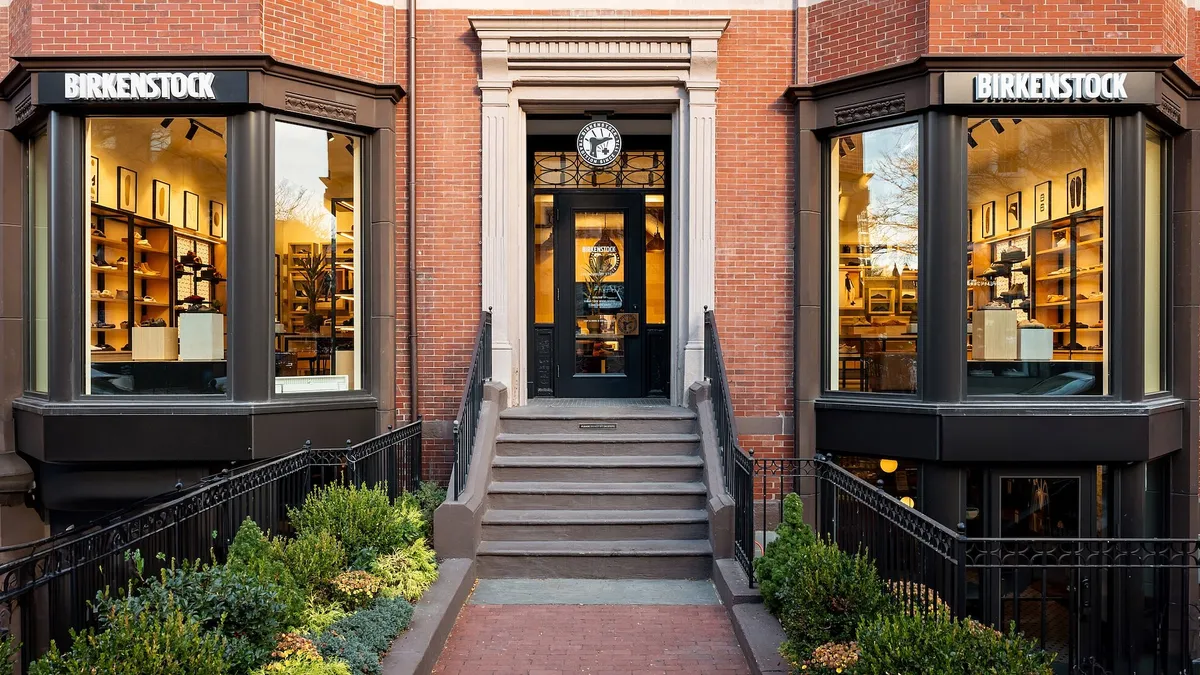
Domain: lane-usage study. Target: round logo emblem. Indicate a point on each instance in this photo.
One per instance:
(599, 143)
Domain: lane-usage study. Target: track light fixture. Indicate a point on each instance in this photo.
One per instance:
(167, 122)
(849, 143)
(192, 129)
(997, 126)
(350, 148)
(971, 140)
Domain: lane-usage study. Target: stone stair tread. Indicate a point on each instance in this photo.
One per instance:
(598, 461)
(555, 487)
(649, 439)
(663, 412)
(639, 548)
(592, 516)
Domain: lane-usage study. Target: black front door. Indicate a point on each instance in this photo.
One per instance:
(600, 289)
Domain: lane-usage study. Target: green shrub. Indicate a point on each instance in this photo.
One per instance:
(933, 643)
(299, 665)
(248, 611)
(9, 649)
(133, 642)
(778, 562)
(429, 496)
(252, 553)
(356, 588)
(318, 615)
(818, 592)
(362, 519)
(360, 639)
(407, 573)
(314, 559)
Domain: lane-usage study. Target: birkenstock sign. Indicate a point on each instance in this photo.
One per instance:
(1050, 87)
(218, 86)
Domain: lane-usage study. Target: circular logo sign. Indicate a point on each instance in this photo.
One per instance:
(599, 143)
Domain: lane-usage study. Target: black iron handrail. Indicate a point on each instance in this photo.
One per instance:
(469, 407)
(718, 382)
(45, 593)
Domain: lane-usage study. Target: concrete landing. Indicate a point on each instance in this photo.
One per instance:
(594, 592)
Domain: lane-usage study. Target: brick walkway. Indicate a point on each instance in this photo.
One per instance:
(594, 639)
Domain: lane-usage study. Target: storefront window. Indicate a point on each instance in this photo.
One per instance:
(1037, 254)
(899, 478)
(874, 261)
(1155, 272)
(38, 228)
(156, 256)
(318, 341)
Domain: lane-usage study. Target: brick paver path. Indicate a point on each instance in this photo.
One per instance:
(593, 639)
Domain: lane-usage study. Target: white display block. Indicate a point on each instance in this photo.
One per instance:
(155, 343)
(994, 335)
(201, 336)
(344, 365)
(1035, 344)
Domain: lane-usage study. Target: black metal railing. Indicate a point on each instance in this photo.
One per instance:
(1101, 605)
(45, 593)
(472, 401)
(718, 384)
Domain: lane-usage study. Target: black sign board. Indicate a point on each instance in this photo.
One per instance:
(153, 87)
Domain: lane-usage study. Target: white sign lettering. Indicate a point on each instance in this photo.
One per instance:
(138, 86)
(1066, 87)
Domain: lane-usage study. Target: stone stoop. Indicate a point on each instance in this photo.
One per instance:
(604, 492)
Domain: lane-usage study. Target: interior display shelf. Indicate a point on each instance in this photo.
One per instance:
(107, 330)
(1067, 302)
(1078, 330)
(139, 220)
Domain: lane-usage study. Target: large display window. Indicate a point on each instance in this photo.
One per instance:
(1037, 256)
(37, 216)
(874, 260)
(317, 258)
(155, 263)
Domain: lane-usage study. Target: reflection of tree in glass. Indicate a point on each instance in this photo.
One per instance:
(1036, 151)
(890, 218)
(296, 203)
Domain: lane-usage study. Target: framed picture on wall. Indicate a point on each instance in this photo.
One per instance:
(126, 189)
(94, 179)
(1041, 202)
(191, 210)
(162, 201)
(1012, 211)
(987, 214)
(216, 219)
(1076, 191)
(970, 225)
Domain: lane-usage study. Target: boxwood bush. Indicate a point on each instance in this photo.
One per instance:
(934, 643)
(361, 638)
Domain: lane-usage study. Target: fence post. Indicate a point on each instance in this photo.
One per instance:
(960, 572)
(458, 466)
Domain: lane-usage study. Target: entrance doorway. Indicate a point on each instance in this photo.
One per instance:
(598, 272)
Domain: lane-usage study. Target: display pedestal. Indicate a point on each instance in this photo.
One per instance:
(1035, 344)
(343, 364)
(994, 336)
(201, 336)
(155, 343)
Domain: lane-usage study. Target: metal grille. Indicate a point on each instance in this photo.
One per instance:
(631, 170)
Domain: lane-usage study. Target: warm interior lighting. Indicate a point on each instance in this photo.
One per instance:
(908, 501)
(889, 465)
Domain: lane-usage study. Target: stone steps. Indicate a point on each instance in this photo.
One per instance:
(594, 524)
(619, 559)
(598, 468)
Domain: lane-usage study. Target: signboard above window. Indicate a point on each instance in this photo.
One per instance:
(1053, 88)
(155, 87)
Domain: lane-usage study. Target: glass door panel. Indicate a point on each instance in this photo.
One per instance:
(599, 292)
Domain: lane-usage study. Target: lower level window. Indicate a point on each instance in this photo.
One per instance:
(156, 256)
(318, 254)
(898, 477)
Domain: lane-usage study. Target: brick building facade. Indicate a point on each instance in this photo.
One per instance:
(748, 99)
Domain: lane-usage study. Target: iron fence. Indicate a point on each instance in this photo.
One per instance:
(45, 593)
(471, 403)
(1102, 606)
(718, 383)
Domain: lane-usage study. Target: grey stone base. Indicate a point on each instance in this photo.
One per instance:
(758, 633)
(417, 650)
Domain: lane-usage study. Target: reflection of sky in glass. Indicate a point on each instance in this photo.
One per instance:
(889, 154)
(302, 160)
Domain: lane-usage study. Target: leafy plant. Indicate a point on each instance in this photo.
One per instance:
(777, 564)
(9, 649)
(934, 643)
(429, 496)
(138, 642)
(356, 587)
(831, 658)
(362, 637)
(251, 552)
(234, 603)
(297, 665)
(314, 559)
(361, 518)
(318, 615)
(407, 573)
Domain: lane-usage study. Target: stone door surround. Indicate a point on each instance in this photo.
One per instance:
(577, 64)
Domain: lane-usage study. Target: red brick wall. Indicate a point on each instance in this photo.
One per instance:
(853, 36)
(1054, 26)
(755, 195)
(348, 37)
(182, 26)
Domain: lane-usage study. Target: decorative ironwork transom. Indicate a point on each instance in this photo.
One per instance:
(631, 170)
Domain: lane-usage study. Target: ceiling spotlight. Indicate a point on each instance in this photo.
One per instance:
(1016, 120)
(997, 126)
(167, 122)
(971, 140)
(350, 148)
(330, 136)
(849, 143)
(192, 129)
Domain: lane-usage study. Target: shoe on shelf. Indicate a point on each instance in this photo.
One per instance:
(1098, 324)
(144, 269)
(97, 233)
(148, 298)
(1078, 324)
(1074, 346)
(97, 348)
(103, 347)
(142, 242)
(124, 325)
(104, 295)
(1061, 242)
(102, 325)
(122, 294)
(1030, 323)
(190, 258)
(349, 251)
(125, 348)
(1095, 295)
(122, 261)
(1096, 348)
(350, 322)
